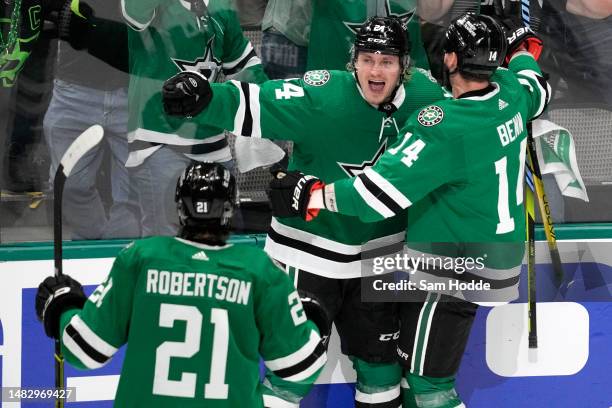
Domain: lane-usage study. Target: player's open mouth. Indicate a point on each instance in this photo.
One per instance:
(376, 86)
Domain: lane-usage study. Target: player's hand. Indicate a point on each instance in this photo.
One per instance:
(316, 313)
(55, 296)
(520, 38)
(290, 193)
(186, 94)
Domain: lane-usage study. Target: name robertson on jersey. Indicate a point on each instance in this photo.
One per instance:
(198, 284)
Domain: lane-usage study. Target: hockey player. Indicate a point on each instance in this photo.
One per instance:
(196, 311)
(166, 37)
(340, 123)
(460, 168)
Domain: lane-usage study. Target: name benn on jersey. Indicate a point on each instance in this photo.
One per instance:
(198, 285)
(509, 130)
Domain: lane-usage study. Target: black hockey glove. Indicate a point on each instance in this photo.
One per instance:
(186, 94)
(316, 313)
(290, 192)
(55, 296)
(518, 36)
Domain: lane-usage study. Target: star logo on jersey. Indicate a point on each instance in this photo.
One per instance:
(502, 104)
(200, 256)
(316, 78)
(431, 116)
(404, 17)
(356, 169)
(208, 65)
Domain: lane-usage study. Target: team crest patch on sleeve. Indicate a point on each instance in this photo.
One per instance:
(431, 116)
(316, 78)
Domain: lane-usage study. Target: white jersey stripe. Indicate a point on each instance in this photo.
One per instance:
(231, 64)
(314, 367)
(255, 110)
(371, 200)
(240, 113)
(378, 397)
(272, 401)
(388, 188)
(92, 338)
(75, 349)
(427, 330)
(296, 357)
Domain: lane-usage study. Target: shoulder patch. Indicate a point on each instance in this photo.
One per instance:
(317, 78)
(431, 116)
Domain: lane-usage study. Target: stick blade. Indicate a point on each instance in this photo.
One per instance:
(81, 145)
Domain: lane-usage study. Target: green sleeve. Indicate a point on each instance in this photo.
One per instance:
(272, 110)
(530, 76)
(421, 161)
(90, 337)
(290, 344)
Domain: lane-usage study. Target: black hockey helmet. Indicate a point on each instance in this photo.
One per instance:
(205, 197)
(479, 42)
(385, 35)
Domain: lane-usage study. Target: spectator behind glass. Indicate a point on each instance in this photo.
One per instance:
(335, 22)
(167, 37)
(284, 45)
(250, 12)
(89, 91)
(579, 36)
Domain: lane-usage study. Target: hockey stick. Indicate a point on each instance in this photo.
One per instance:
(79, 147)
(549, 228)
(530, 228)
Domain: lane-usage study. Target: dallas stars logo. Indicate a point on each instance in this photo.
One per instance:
(356, 169)
(208, 65)
(404, 17)
(431, 116)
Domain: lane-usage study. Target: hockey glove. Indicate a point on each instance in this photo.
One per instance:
(316, 313)
(55, 296)
(518, 37)
(186, 94)
(290, 193)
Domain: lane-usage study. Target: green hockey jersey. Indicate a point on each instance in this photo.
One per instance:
(19, 29)
(335, 23)
(460, 167)
(170, 36)
(196, 319)
(336, 134)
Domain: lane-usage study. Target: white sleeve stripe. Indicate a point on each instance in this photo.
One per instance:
(232, 64)
(314, 367)
(372, 201)
(239, 118)
(92, 338)
(272, 401)
(136, 25)
(378, 397)
(388, 188)
(255, 110)
(74, 348)
(543, 91)
(296, 357)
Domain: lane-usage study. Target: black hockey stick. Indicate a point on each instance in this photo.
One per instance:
(549, 228)
(79, 147)
(531, 265)
(530, 220)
